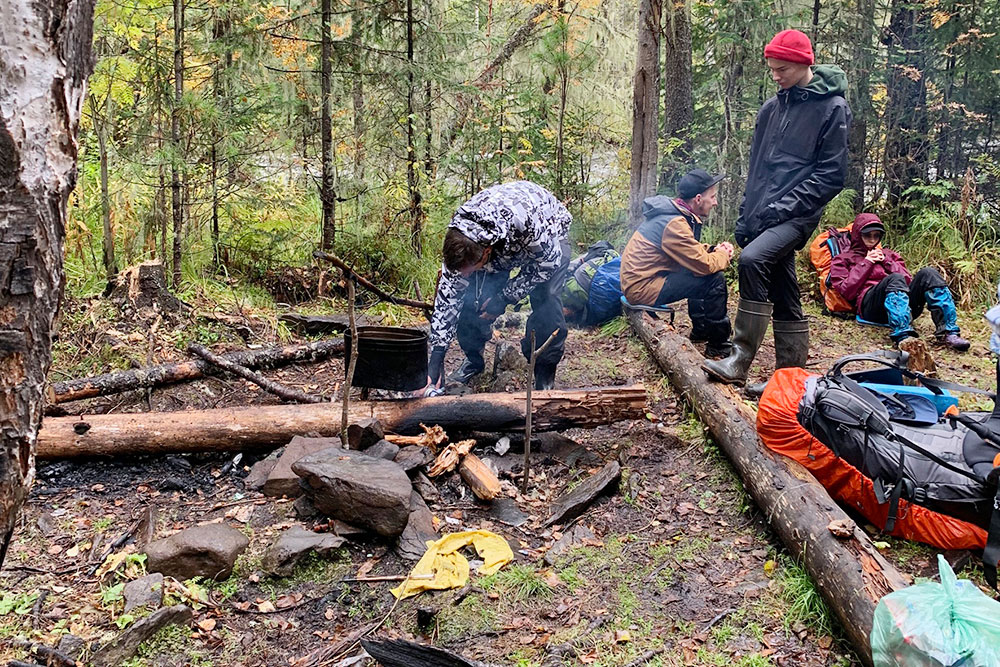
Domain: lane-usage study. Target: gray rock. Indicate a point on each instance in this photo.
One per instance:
(383, 449)
(294, 544)
(304, 507)
(259, 472)
(419, 529)
(354, 487)
(71, 646)
(426, 488)
(566, 450)
(203, 551)
(364, 434)
(574, 503)
(282, 481)
(413, 456)
(144, 592)
(569, 539)
(124, 646)
(506, 511)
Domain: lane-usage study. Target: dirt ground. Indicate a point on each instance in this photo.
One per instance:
(682, 570)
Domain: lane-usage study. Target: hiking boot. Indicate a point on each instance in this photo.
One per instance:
(718, 350)
(698, 335)
(755, 391)
(920, 359)
(468, 370)
(955, 342)
(791, 343)
(749, 328)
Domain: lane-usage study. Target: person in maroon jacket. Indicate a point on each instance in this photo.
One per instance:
(876, 282)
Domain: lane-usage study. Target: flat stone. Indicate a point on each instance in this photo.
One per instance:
(419, 529)
(357, 488)
(71, 646)
(259, 472)
(505, 510)
(124, 646)
(413, 456)
(144, 592)
(383, 449)
(571, 538)
(566, 450)
(304, 507)
(365, 433)
(423, 485)
(293, 545)
(208, 551)
(282, 481)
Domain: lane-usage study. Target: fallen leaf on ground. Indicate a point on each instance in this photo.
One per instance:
(266, 607)
(207, 624)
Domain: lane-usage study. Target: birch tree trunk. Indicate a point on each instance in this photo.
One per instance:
(45, 48)
(646, 90)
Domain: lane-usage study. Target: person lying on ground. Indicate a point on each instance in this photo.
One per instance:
(665, 260)
(798, 163)
(518, 225)
(876, 282)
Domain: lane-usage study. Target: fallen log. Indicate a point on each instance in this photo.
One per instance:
(850, 573)
(266, 426)
(479, 477)
(164, 374)
(276, 388)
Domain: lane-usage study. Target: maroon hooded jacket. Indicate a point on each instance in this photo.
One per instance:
(852, 275)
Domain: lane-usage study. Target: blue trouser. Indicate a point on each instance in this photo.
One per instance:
(897, 304)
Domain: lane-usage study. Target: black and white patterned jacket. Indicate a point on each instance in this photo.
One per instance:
(526, 226)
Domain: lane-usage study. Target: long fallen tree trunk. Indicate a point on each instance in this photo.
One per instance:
(164, 374)
(850, 573)
(274, 425)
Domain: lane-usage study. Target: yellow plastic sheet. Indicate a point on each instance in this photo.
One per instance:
(447, 568)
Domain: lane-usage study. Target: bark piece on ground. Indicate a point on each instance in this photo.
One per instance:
(70, 645)
(505, 510)
(282, 481)
(364, 433)
(127, 643)
(293, 545)
(317, 325)
(567, 451)
(571, 505)
(412, 457)
(144, 592)
(402, 653)
(571, 538)
(383, 449)
(208, 551)
(259, 472)
(423, 485)
(480, 478)
(419, 530)
(354, 487)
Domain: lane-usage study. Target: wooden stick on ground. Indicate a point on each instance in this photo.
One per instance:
(851, 575)
(370, 286)
(193, 369)
(276, 388)
(352, 362)
(527, 402)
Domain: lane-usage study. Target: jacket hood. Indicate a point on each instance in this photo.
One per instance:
(484, 230)
(827, 80)
(663, 205)
(860, 222)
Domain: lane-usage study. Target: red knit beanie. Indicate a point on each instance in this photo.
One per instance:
(792, 46)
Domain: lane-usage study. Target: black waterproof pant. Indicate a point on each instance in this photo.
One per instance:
(706, 296)
(767, 271)
(873, 309)
(546, 316)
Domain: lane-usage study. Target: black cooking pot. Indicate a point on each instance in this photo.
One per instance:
(389, 358)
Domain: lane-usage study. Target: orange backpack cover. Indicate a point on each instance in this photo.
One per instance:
(821, 257)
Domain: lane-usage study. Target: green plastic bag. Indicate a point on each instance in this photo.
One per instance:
(951, 624)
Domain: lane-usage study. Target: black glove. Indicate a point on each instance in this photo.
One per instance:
(435, 365)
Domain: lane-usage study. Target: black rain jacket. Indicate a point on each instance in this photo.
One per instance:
(798, 160)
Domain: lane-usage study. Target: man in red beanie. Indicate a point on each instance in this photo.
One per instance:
(798, 163)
